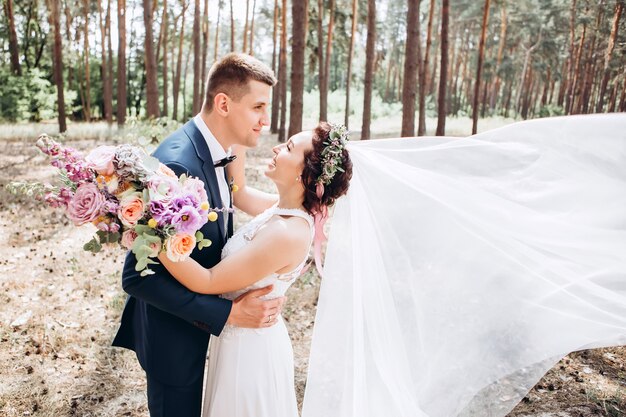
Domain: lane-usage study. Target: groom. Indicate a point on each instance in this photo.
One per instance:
(167, 325)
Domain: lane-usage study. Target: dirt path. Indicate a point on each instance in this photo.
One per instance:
(60, 308)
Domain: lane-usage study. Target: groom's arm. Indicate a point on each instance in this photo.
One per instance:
(208, 312)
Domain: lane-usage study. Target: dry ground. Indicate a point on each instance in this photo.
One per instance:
(60, 308)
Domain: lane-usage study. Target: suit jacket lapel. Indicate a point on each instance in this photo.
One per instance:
(210, 180)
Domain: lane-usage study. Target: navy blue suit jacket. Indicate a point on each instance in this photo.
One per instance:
(167, 325)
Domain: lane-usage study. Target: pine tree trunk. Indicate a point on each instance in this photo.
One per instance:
(197, 60)
(567, 78)
(299, 17)
(282, 73)
(152, 92)
(14, 50)
(251, 49)
(179, 62)
(412, 66)
(87, 108)
(185, 72)
(613, 97)
(576, 68)
(583, 102)
(546, 87)
(619, 8)
(441, 116)
(232, 28)
(217, 35)
(320, 61)
(370, 52)
(121, 63)
(622, 99)
(479, 66)
(245, 28)
(390, 66)
(355, 18)
(106, 92)
(205, 50)
(165, 23)
(329, 48)
(54, 18)
(433, 73)
(495, 92)
(451, 57)
(275, 89)
(551, 94)
(525, 70)
(424, 74)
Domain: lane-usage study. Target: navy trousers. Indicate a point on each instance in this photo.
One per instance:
(174, 401)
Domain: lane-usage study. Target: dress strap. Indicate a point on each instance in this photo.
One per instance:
(261, 219)
(294, 212)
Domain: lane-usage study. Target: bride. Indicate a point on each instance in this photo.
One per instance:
(458, 271)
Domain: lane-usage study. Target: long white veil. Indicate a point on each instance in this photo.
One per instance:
(458, 271)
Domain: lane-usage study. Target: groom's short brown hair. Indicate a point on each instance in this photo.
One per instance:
(230, 75)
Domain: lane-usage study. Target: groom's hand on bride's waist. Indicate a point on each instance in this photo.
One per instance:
(249, 310)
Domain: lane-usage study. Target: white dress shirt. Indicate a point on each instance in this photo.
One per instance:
(217, 153)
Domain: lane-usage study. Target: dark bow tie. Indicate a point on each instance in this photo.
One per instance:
(224, 161)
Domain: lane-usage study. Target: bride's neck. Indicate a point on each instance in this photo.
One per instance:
(290, 198)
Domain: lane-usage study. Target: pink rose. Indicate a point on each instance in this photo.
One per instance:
(161, 186)
(131, 209)
(180, 246)
(156, 248)
(86, 204)
(101, 160)
(165, 170)
(128, 238)
(196, 186)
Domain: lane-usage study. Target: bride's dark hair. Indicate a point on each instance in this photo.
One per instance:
(340, 182)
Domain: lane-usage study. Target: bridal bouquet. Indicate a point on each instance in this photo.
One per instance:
(131, 198)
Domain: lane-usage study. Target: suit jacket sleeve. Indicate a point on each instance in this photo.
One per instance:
(161, 290)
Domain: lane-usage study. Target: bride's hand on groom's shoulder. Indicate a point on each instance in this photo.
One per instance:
(250, 311)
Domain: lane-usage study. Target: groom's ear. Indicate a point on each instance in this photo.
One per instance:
(221, 104)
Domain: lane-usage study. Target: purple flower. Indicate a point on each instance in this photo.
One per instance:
(160, 210)
(111, 207)
(86, 205)
(187, 220)
(185, 200)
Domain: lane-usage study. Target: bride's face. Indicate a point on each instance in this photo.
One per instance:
(288, 161)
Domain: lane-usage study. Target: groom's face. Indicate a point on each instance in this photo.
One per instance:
(247, 116)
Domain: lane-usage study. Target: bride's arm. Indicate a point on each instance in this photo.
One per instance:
(274, 248)
(247, 199)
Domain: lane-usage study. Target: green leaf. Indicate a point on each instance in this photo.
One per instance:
(108, 237)
(93, 246)
(146, 271)
(204, 243)
(199, 236)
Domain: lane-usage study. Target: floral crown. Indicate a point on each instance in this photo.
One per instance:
(332, 153)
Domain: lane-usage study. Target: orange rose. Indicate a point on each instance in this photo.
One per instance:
(180, 246)
(131, 209)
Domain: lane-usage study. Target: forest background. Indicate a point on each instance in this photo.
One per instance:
(347, 60)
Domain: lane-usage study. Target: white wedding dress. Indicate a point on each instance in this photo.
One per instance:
(251, 371)
(459, 270)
